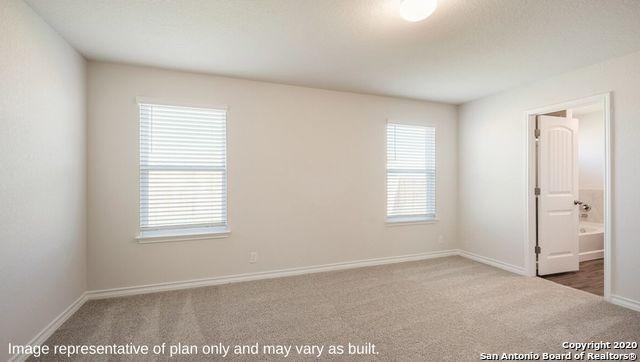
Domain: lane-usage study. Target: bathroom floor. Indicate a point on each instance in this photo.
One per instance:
(589, 278)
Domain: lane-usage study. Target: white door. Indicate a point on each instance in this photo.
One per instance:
(558, 216)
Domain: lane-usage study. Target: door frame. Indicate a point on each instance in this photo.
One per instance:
(530, 173)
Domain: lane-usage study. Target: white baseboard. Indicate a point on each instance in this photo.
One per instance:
(194, 283)
(160, 287)
(615, 299)
(591, 255)
(625, 302)
(493, 262)
(41, 337)
(44, 334)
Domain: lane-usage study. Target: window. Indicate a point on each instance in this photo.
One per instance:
(411, 173)
(183, 171)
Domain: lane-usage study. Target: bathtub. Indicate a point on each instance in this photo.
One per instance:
(591, 240)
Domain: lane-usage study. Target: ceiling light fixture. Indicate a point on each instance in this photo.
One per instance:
(416, 10)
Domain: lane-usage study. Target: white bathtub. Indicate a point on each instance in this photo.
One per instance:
(591, 239)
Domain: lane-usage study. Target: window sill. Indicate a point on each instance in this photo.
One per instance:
(411, 220)
(164, 236)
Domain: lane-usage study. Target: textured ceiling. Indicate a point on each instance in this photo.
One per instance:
(467, 49)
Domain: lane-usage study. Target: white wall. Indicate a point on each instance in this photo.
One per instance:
(591, 154)
(492, 161)
(591, 150)
(306, 177)
(43, 174)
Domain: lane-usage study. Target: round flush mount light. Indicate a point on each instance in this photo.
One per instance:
(417, 10)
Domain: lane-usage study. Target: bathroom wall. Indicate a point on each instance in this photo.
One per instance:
(591, 164)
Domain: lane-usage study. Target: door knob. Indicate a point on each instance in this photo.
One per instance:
(577, 202)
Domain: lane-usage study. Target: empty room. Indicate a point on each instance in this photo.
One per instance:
(401, 180)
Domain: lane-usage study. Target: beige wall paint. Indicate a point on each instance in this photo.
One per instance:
(42, 173)
(306, 177)
(492, 165)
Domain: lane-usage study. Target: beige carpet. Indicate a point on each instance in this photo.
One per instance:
(439, 309)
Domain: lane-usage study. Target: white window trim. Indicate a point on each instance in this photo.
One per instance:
(187, 234)
(165, 102)
(413, 219)
(171, 235)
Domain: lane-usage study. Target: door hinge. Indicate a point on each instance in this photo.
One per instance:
(537, 249)
(536, 191)
(537, 133)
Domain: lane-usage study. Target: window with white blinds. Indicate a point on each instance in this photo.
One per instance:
(183, 170)
(411, 172)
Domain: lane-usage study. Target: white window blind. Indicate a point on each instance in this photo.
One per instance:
(183, 169)
(411, 172)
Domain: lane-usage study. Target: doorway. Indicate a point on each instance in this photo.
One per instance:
(568, 199)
